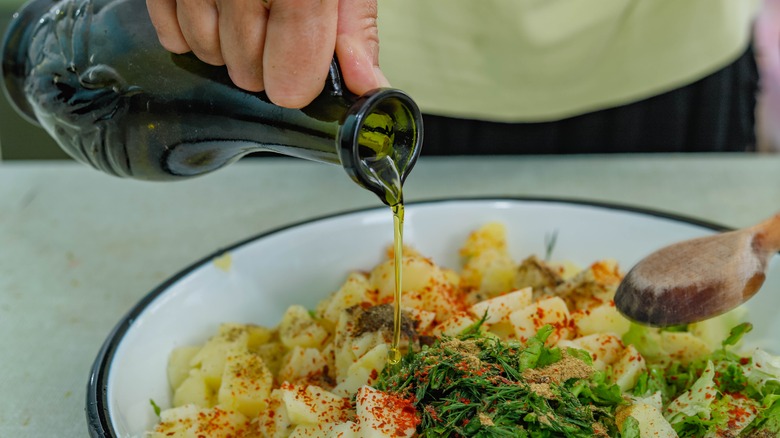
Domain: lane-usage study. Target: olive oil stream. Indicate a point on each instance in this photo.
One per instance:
(376, 138)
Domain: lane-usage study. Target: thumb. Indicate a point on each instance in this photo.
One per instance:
(357, 46)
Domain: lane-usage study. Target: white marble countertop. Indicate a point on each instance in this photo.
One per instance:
(79, 248)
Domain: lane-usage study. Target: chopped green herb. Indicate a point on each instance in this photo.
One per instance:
(484, 387)
(156, 408)
(549, 244)
(735, 335)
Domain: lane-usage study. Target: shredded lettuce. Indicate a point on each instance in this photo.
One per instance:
(696, 401)
(630, 428)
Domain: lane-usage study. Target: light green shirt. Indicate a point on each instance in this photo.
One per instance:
(538, 60)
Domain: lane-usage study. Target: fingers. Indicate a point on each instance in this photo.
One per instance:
(163, 16)
(357, 46)
(299, 45)
(283, 46)
(199, 23)
(242, 28)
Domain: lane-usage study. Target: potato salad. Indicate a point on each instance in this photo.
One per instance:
(496, 347)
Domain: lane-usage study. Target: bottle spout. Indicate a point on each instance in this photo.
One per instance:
(15, 44)
(380, 141)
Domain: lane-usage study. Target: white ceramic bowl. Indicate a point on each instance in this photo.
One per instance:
(302, 263)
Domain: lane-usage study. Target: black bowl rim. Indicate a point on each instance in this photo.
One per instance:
(98, 419)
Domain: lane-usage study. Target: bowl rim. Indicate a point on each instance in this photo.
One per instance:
(97, 414)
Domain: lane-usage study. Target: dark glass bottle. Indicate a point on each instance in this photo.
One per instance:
(92, 73)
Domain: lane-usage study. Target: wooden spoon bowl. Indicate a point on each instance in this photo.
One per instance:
(700, 278)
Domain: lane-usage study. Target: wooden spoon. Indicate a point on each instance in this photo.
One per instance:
(700, 278)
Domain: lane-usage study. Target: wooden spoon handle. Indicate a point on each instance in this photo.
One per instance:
(767, 236)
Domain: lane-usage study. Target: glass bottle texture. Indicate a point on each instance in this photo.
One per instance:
(92, 73)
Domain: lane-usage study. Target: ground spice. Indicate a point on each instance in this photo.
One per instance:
(380, 317)
(569, 367)
(484, 419)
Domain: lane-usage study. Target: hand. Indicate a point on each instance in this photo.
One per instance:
(281, 46)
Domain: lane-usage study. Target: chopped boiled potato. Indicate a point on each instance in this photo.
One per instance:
(628, 368)
(499, 308)
(210, 359)
(298, 328)
(528, 320)
(194, 390)
(382, 415)
(273, 354)
(455, 324)
(179, 364)
(352, 292)
(592, 287)
(424, 319)
(191, 421)
(684, 347)
(348, 429)
(489, 273)
(424, 285)
(364, 371)
(604, 318)
(302, 364)
(488, 269)
(246, 384)
(604, 348)
(310, 405)
(274, 422)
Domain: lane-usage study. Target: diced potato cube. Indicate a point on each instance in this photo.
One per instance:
(272, 354)
(503, 330)
(424, 285)
(455, 324)
(500, 307)
(191, 421)
(348, 429)
(258, 335)
(683, 346)
(210, 359)
(424, 319)
(273, 422)
(488, 268)
(528, 320)
(382, 415)
(302, 364)
(364, 371)
(605, 347)
(298, 328)
(312, 430)
(365, 342)
(194, 390)
(312, 404)
(491, 235)
(179, 365)
(246, 384)
(490, 272)
(352, 292)
(604, 318)
(628, 368)
(592, 287)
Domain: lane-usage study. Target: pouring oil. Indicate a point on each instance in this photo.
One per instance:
(376, 138)
(398, 244)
